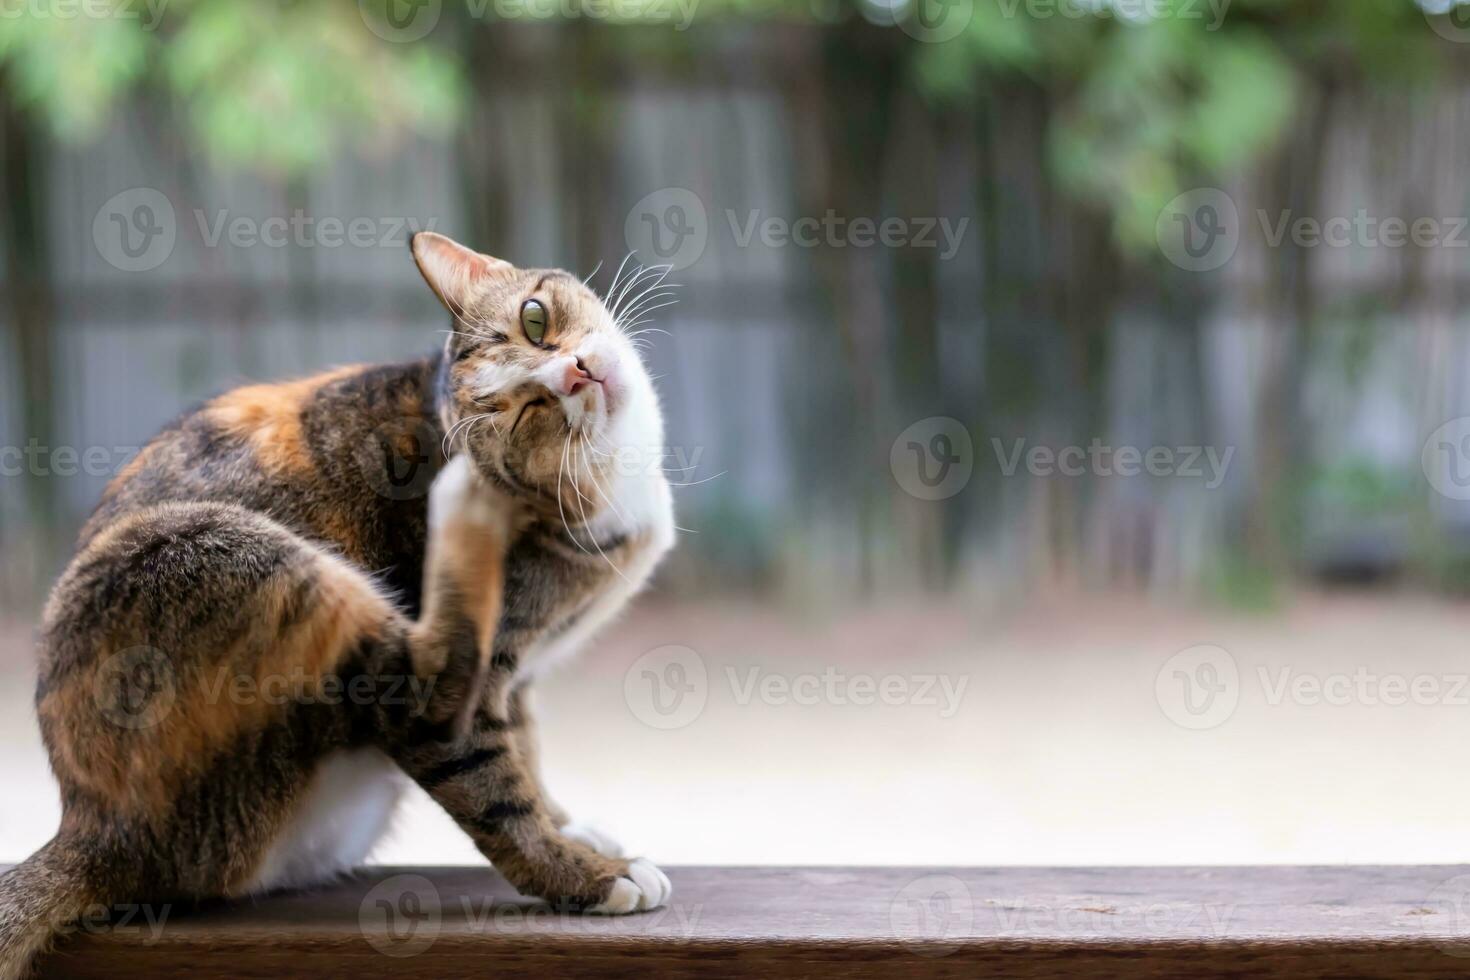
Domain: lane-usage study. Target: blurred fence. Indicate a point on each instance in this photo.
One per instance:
(798, 375)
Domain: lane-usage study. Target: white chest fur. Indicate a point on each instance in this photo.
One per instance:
(345, 810)
(639, 506)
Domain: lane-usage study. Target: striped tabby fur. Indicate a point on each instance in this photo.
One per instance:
(295, 573)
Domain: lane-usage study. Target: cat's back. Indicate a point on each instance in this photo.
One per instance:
(308, 452)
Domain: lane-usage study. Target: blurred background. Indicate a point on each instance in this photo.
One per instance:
(1073, 396)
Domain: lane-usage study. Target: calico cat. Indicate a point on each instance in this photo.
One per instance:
(292, 598)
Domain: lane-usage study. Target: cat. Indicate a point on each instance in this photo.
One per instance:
(292, 600)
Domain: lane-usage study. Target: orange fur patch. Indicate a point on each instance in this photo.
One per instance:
(268, 416)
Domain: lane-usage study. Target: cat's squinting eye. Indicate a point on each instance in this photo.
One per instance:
(533, 321)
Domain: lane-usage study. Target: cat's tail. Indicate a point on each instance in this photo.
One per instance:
(40, 898)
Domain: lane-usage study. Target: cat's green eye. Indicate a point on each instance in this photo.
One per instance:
(533, 320)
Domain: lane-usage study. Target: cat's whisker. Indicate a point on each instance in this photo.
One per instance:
(622, 291)
(638, 315)
(595, 269)
(642, 276)
(585, 523)
(447, 446)
(695, 483)
(560, 470)
(617, 276)
(652, 285)
(655, 291)
(618, 281)
(597, 486)
(655, 283)
(644, 311)
(645, 330)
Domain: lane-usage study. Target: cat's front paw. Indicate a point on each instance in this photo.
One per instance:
(460, 498)
(643, 886)
(594, 838)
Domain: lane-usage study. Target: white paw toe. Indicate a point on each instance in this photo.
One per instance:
(645, 887)
(595, 839)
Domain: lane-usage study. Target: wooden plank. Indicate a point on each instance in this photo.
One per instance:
(818, 922)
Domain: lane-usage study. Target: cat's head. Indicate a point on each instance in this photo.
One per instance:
(541, 385)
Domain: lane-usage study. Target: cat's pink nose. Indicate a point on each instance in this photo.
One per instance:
(575, 376)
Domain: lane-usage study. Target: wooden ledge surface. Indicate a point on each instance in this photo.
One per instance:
(409, 923)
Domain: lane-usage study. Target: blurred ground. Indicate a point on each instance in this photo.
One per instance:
(1061, 750)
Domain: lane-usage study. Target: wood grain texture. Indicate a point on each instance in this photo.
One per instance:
(818, 922)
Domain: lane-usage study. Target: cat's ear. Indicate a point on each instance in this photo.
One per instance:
(451, 270)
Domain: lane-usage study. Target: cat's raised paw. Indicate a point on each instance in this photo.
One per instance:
(594, 838)
(644, 887)
(459, 496)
